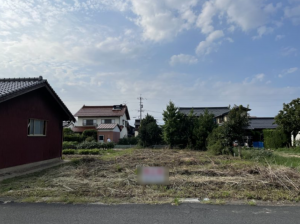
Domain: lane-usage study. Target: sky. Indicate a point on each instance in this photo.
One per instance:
(196, 53)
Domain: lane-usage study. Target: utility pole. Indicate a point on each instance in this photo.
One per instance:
(141, 107)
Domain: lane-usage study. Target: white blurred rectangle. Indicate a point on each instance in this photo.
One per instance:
(153, 175)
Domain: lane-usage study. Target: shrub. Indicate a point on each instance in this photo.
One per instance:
(274, 139)
(216, 149)
(69, 145)
(128, 141)
(90, 139)
(110, 145)
(74, 138)
(90, 133)
(68, 131)
(88, 151)
(68, 151)
(89, 145)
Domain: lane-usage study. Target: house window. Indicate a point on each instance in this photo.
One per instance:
(37, 127)
(221, 120)
(89, 122)
(107, 121)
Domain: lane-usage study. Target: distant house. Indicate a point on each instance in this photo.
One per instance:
(220, 113)
(137, 124)
(31, 117)
(107, 120)
(261, 123)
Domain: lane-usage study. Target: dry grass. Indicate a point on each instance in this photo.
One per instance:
(111, 178)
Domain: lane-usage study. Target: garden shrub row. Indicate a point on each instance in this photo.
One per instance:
(95, 145)
(274, 139)
(69, 145)
(81, 151)
(74, 138)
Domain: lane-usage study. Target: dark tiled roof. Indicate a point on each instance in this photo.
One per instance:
(13, 87)
(102, 111)
(262, 123)
(9, 86)
(216, 111)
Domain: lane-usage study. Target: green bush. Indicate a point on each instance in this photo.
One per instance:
(74, 138)
(274, 139)
(109, 145)
(128, 141)
(89, 145)
(68, 152)
(68, 131)
(216, 149)
(90, 133)
(90, 139)
(88, 151)
(69, 145)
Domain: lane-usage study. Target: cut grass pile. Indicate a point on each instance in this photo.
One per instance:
(111, 178)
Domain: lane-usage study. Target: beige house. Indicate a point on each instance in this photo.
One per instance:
(97, 117)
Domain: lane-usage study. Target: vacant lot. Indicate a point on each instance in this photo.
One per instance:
(111, 178)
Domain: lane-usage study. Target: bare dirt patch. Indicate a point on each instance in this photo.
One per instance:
(111, 178)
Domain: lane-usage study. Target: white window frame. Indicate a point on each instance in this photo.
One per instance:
(29, 127)
(112, 121)
(84, 123)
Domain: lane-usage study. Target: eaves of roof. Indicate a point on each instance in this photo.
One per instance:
(29, 88)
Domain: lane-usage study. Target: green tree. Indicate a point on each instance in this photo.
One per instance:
(289, 118)
(90, 133)
(149, 131)
(234, 127)
(172, 118)
(203, 126)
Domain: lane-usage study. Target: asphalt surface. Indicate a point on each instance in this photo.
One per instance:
(15, 213)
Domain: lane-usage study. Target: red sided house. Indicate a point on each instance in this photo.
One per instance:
(109, 121)
(31, 118)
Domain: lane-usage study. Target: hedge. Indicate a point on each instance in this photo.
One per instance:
(68, 151)
(90, 133)
(74, 138)
(95, 145)
(274, 139)
(128, 141)
(88, 151)
(69, 145)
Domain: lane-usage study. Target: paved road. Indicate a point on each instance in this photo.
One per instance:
(14, 213)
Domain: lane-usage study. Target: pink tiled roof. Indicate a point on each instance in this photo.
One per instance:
(101, 111)
(107, 126)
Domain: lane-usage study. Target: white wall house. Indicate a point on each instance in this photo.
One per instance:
(90, 117)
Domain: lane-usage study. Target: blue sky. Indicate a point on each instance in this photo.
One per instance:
(196, 53)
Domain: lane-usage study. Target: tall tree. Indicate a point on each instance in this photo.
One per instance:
(289, 117)
(149, 131)
(234, 127)
(204, 125)
(172, 118)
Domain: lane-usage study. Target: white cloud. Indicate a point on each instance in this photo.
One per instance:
(162, 20)
(270, 8)
(208, 45)
(293, 13)
(246, 14)
(288, 71)
(263, 30)
(183, 59)
(257, 78)
(279, 37)
(287, 51)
